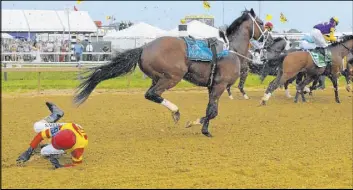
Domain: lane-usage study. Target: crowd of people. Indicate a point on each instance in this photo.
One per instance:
(32, 51)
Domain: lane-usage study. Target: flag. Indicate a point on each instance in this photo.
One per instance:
(282, 18)
(206, 5)
(79, 1)
(108, 17)
(75, 8)
(268, 17)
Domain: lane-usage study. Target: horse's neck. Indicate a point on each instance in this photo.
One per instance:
(340, 49)
(240, 41)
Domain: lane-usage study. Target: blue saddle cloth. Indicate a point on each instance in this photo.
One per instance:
(197, 50)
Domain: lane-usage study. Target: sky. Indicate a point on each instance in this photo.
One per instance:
(301, 15)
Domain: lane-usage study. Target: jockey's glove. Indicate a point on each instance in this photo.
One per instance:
(25, 156)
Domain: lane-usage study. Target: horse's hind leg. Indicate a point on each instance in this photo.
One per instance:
(243, 75)
(274, 84)
(286, 84)
(300, 88)
(155, 91)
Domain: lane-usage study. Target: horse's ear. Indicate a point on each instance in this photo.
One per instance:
(252, 12)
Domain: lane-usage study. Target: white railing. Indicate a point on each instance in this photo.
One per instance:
(53, 57)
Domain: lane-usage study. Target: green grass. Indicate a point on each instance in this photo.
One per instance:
(28, 81)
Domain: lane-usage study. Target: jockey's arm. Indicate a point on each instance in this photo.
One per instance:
(76, 156)
(45, 134)
(332, 37)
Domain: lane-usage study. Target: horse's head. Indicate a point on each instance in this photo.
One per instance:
(250, 22)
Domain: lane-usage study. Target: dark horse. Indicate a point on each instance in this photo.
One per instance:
(300, 61)
(165, 61)
(272, 49)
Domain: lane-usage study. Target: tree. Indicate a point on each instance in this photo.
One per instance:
(123, 25)
(293, 31)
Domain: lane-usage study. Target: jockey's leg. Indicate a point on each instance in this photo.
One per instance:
(50, 150)
(47, 122)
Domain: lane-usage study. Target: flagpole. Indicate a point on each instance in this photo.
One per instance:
(260, 9)
(223, 12)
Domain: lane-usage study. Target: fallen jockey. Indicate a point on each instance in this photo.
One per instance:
(64, 137)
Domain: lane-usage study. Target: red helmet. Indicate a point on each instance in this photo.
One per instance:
(63, 140)
(269, 25)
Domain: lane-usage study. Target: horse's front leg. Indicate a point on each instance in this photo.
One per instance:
(212, 109)
(333, 79)
(345, 73)
(301, 86)
(243, 75)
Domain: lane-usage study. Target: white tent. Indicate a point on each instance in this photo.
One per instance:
(134, 36)
(46, 21)
(196, 29)
(6, 36)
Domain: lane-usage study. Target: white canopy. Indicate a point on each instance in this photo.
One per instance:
(46, 21)
(136, 31)
(196, 29)
(6, 36)
(135, 36)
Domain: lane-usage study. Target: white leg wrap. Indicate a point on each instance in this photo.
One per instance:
(266, 97)
(172, 107)
(306, 89)
(246, 97)
(49, 149)
(288, 94)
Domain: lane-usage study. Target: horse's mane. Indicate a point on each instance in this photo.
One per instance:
(235, 25)
(278, 39)
(344, 39)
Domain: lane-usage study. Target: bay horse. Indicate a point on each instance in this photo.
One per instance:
(273, 48)
(299, 61)
(165, 61)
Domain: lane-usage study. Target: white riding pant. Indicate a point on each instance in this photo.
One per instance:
(306, 45)
(318, 38)
(49, 149)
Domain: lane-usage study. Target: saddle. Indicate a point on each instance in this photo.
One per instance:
(206, 50)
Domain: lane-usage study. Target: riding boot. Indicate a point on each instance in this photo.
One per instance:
(54, 161)
(56, 113)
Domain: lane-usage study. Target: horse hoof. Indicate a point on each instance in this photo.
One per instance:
(263, 103)
(348, 88)
(188, 124)
(338, 101)
(246, 97)
(206, 133)
(176, 116)
(231, 97)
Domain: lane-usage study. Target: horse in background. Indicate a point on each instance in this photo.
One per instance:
(272, 48)
(313, 63)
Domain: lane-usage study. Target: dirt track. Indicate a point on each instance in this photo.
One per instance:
(134, 143)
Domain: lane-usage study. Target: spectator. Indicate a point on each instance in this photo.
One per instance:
(50, 49)
(89, 48)
(105, 56)
(78, 49)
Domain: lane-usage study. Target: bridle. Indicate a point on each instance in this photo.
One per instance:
(254, 22)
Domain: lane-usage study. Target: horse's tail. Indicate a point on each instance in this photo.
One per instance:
(275, 62)
(120, 65)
